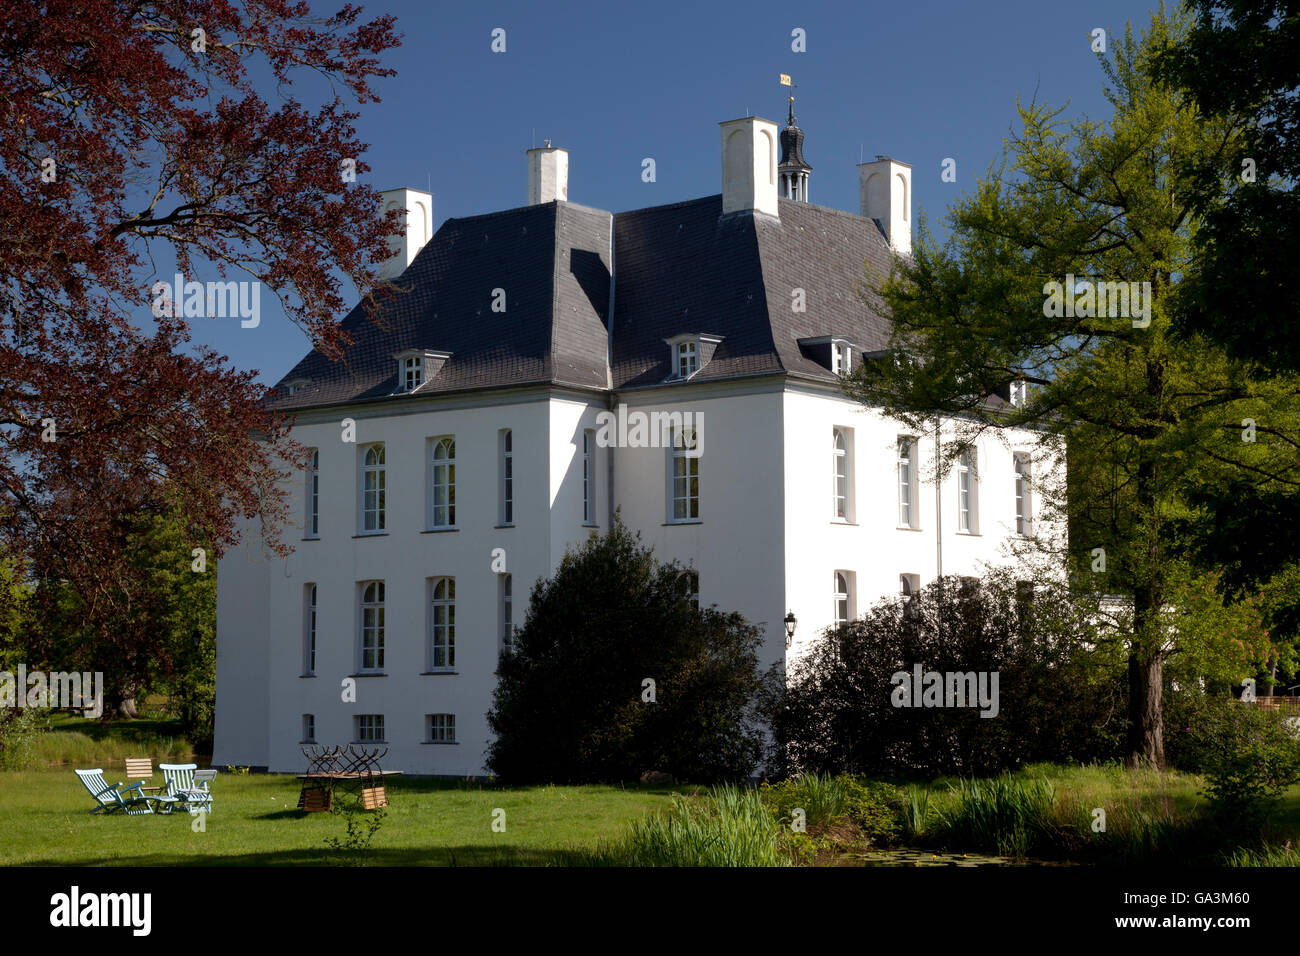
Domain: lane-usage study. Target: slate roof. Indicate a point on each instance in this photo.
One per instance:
(679, 268)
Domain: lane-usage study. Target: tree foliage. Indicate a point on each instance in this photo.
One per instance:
(1149, 417)
(570, 703)
(131, 136)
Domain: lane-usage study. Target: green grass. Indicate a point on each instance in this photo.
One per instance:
(256, 822)
(731, 828)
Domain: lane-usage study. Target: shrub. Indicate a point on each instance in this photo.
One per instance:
(870, 807)
(1248, 757)
(569, 705)
(20, 729)
(1060, 686)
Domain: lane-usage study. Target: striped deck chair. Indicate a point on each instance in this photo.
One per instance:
(181, 786)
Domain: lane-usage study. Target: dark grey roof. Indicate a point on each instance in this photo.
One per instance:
(552, 261)
(680, 268)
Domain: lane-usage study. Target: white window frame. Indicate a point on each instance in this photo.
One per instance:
(370, 626)
(506, 612)
(843, 608)
(412, 372)
(311, 523)
(842, 474)
(589, 478)
(442, 625)
(1021, 465)
(368, 728)
(968, 497)
(378, 505)
(506, 477)
(310, 594)
(686, 358)
(908, 485)
(440, 728)
(841, 358)
(1018, 393)
(442, 474)
(680, 476)
(693, 581)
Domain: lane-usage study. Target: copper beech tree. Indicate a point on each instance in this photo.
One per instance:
(133, 132)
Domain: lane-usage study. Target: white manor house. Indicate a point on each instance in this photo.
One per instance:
(476, 413)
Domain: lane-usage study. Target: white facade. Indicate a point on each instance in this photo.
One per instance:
(767, 540)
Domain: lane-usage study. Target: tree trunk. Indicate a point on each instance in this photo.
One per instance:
(1146, 737)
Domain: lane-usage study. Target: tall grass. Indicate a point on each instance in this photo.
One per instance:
(916, 813)
(731, 827)
(1267, 855)
(1002, 814)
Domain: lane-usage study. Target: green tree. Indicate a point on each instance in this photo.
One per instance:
(1148, 417)
(160, 633)
(572, 703)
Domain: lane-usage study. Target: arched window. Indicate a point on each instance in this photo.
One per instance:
(442, 624)
(841, 453)
(843, 598)
(372, 626)
(443, 483)
(373, 489)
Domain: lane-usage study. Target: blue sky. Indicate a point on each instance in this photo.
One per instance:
(615, 82)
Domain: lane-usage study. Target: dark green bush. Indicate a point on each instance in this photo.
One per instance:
(570, 703)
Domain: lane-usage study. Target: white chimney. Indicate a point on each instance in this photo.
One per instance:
(418, 207)
(749, 166)
(885, 191)
(548, 174)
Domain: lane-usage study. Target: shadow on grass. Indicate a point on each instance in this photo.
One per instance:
(471, 855)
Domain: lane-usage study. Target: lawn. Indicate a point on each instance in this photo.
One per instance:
(45, 821)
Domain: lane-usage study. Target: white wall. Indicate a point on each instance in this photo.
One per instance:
(766, 542)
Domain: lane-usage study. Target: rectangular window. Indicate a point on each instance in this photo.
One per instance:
(506, 481)
(373, 489)
(967, 492)
(442, 624)
(685, 478)
(589, 477)
(440, 728)
(844, 601)
(368, 728)
(309, 632)
(1024, 503)
(371, 640)
(312, 525)
(841, 358)
(842, 453)
(309, 728)
(688, 359)
(442, 483)
(907, 491)
(693, 584)
(412, 373)
(1018, 393)
(506, 588)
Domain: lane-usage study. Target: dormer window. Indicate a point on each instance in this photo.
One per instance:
(832, 352)
(293, 386)
(417, 367)
(688, 359)
(691, 351)
(1019, 392)
(841, 358)
(412, 373)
